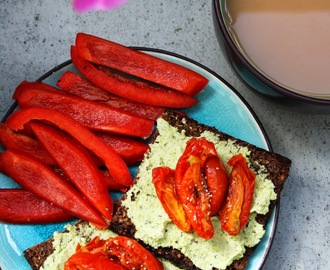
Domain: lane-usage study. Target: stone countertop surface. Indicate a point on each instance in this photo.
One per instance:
(36, 35)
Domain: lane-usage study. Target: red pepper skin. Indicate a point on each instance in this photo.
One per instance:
(19, 206)
(129, 88)
(111, 183)
(234, 214)
(78, 86)
(11, 139)
(115, 164)
(130, 149)
(139, 64)
(163, 180)
(36, 177)
(91, 114)
(78, 166)
(217, 181)
(37, 86)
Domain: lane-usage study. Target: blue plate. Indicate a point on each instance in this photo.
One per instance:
(219, 105)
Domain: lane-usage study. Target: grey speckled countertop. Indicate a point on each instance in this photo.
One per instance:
(35, 37)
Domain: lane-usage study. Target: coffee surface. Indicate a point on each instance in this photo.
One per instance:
(288, 41)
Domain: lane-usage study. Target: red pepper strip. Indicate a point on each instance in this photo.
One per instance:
(11, 139)
(235, 213)
(217, 182)
(115, 164)
(111, 183)
(78, 165)
(130, 149)
(163, 180)
(78, 86)
(37, 86)
(36, 177)
(19, 206)
(136, 90)
(131, 254)
(146, 66)
(91, 114)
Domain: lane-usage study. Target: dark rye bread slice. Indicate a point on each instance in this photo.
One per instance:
(37, 254)
(277, 166)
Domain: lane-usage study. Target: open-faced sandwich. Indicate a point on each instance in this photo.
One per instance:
(144, 212)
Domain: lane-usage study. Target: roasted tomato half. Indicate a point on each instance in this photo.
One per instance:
(195, 190)
(235, 213)
(114, 253)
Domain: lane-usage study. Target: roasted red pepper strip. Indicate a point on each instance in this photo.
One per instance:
(78, 166)
(143, 65)
(201, 148)
(11, 139)
(163, 180)
(91, 114)
(136, 90)
(19, 206)
(121, 250)
(91, 261)
(130, 149)
(217, 181)
(78, 86)
(235, 213)
(191, 185)
(249, 178)
(195, 197)
(131, 254)
(115, 164)
(36, 177)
